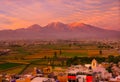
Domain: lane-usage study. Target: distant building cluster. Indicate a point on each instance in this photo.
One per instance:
(4, 51)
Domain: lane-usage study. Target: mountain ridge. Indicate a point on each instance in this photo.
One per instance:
(58, 30)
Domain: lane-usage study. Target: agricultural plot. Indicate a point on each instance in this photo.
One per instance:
(11, 68)
(16, 70)
(41, 55)
(72, 53)
(8, 65)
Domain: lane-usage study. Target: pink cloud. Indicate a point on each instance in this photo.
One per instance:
(22, 13)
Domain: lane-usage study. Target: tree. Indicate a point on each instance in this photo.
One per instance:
(60, 51)
(62, 62)
(70, 45)
(69, 62)
(100, 52)
(45, 57)
(110, 58)
(55, 55)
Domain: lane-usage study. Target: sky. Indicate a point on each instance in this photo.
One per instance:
(16, 14)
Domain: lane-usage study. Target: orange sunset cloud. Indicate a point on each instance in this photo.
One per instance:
(16, 14)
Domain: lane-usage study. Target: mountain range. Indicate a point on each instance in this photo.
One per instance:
(58, 30)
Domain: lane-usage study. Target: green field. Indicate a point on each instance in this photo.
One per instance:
(8, 65)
